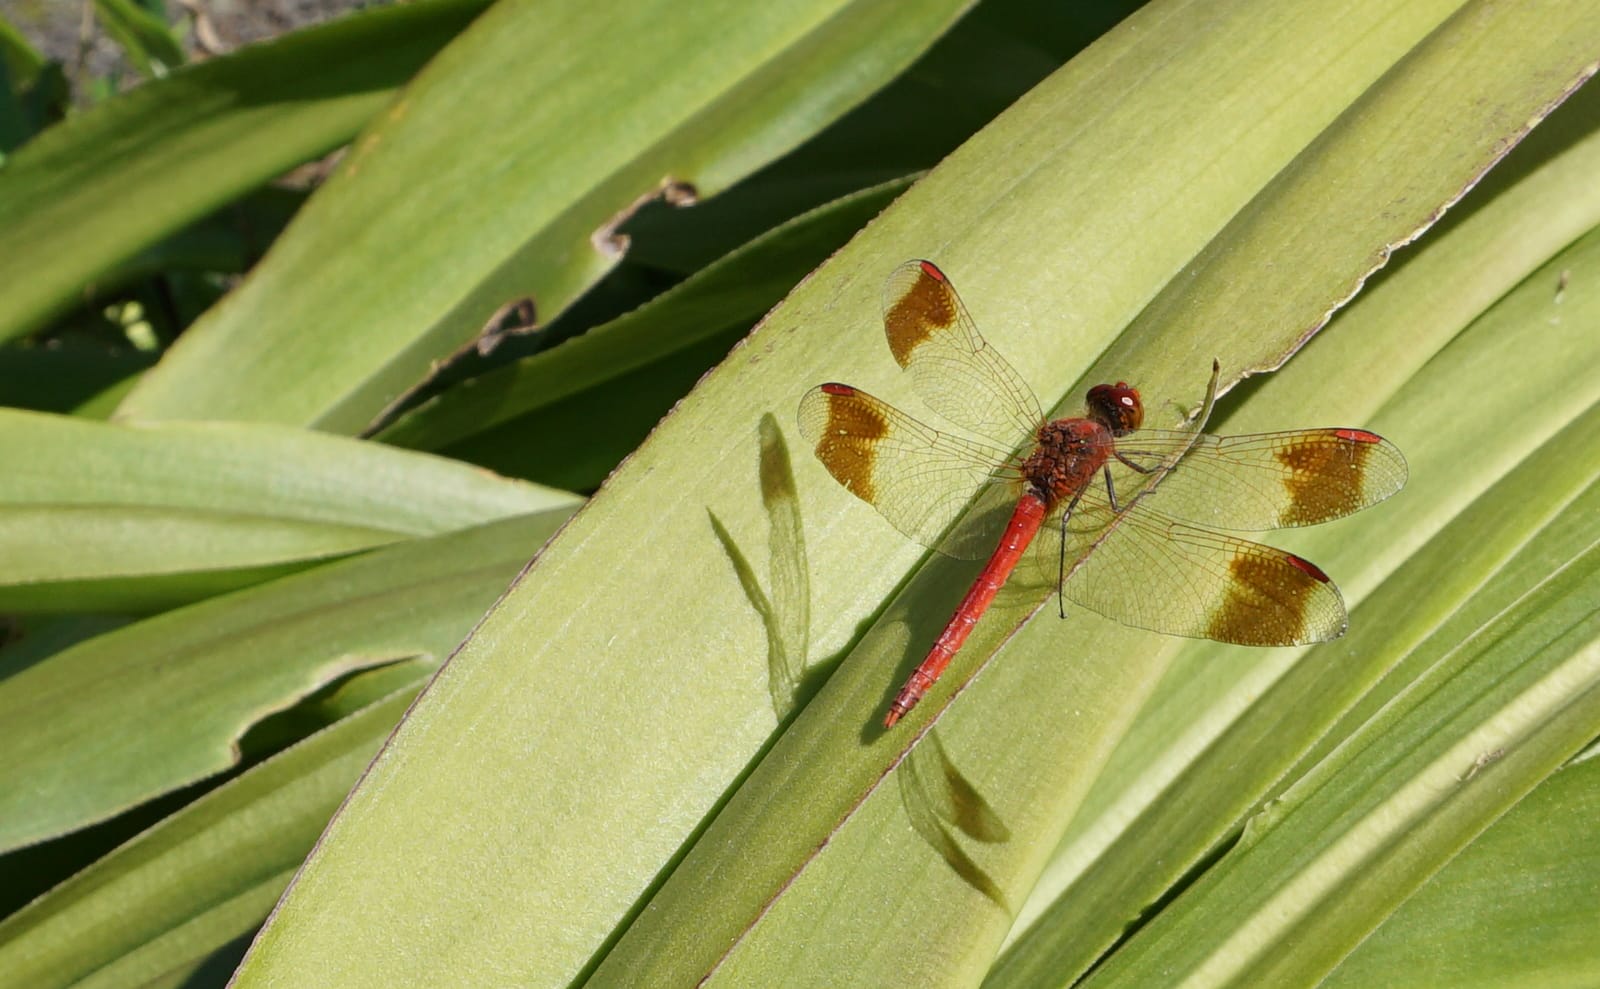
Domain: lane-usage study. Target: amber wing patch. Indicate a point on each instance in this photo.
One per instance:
(918, 478)
(1271, 480)
(1273, 598)
(848, 439)
(918, 303)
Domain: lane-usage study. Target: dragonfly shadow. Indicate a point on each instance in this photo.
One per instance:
(941, 804)
(785, 611)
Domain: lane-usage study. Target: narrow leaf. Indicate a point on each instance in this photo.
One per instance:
(138, 517)
(92, 192)
(207, 875)
(530, 159)
(126, 716)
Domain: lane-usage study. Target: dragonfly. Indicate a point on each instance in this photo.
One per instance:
(1121, 519)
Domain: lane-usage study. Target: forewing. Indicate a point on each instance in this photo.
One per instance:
(918, 478)
(1268, 480)
(953, 369)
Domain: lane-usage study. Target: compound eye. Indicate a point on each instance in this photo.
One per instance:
(1116, 407)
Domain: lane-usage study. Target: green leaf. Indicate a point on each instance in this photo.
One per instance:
(92, 192)
(138, 517)
(142, 35)
(1041, 773)
(126, 716)
(1515, 908)
(22, 60)
(536, 417)
(62, 374)
(503, 173)
(1195, 759)
(606, 793)
(31, 89)
(1500, 695)
(162, 903)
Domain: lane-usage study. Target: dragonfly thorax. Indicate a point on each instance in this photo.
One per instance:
(1070, 451)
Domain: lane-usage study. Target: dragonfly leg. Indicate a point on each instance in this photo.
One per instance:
(1111, 491)
(1130, 464)
(1061, 564)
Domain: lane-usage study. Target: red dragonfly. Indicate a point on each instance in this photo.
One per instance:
(1126, 514)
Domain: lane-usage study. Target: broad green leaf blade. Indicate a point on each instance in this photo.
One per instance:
(502, 175)
(1194, 804)
(92, 192)
(1164, 796)
(908, 894)
(1503, 72)
(708, 307)
(1507, 689)
(139, 517)
(143, 710)
(1515, 908)
(635, 715)
(201, 878)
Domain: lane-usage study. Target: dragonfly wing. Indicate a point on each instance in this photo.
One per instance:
(1268, 480)
(953, 369)
(918, 478)
(1149, 571)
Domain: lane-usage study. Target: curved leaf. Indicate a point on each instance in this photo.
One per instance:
(1504, 692)
(1514, 909)
(503, 173)
(140, 711)
(624, 726)
(138, 517)
(1185, 769)
(708, 306)
(92, 192)
(159, 905)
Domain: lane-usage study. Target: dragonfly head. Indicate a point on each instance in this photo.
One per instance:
(1116, 407)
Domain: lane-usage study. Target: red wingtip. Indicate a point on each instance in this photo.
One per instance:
(1308, 567)
(834, 388)
(932, 270)
(1358, 436)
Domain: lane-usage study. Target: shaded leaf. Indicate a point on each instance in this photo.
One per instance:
(128, 715)
(91, 193)
(531, 159)
(162, 903)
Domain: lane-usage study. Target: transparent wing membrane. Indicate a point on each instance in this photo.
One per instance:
(953, 369)
(918, 478)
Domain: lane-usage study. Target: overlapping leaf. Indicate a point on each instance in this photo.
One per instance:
(635, 715)
(88, 195)
(161, 904)
(1462, 423)
(499, 176)
(138, 517)
(126, 716)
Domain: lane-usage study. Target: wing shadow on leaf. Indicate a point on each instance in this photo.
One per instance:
(939, 801)
(786, 612)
